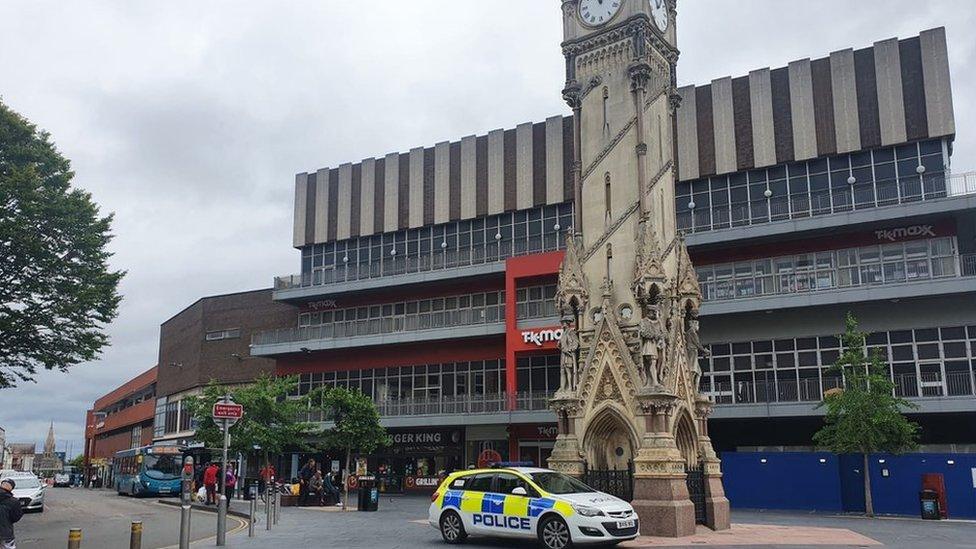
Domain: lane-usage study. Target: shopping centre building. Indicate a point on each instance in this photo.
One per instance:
(428, 277)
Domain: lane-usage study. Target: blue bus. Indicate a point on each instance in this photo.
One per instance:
(148, 471)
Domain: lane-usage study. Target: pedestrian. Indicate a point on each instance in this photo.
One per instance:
(10, 512)
(230, 481)
(315, 486)
(210, 483)
(304, 478)
(331, 487)
(267, 473)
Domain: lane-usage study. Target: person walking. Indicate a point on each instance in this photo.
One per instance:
(304, 478)
(267, 473)
(10, 512)
(210, 483)
(230, 481)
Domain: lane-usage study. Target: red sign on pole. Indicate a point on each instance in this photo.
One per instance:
(227, 411)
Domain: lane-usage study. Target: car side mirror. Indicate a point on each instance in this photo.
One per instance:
(519, 491)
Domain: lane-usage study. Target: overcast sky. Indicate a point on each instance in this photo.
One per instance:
(190, 119)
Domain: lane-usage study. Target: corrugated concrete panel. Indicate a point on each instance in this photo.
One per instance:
(322, 206)
(938, 92)
(523, 166)
(344, 226)
(761, 104)
(367, 198)
(554, 160)
(391, 187)
(496, 171)
(469, 175)
(846, 122)
(891, 102)
(301, 190)
(415, 217)
(801, 107)
(687, 134)
(723, 119)
(442, 182)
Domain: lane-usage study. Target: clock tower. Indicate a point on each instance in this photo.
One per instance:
(628, 293)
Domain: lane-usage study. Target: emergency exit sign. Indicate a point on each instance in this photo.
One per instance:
(222, 410)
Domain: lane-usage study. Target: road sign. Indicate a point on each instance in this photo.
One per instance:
(227, 410)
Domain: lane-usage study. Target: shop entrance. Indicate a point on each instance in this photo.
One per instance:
(536, 452)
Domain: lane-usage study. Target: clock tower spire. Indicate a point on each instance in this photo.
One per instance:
(628, 293)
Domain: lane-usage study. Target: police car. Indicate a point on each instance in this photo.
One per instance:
(528, 502)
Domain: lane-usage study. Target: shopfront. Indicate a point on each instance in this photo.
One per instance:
(535, 442)
(418, 459)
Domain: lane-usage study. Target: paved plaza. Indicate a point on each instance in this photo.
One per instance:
(401, 522)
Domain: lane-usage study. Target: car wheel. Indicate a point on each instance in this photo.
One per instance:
(554, 533)
(452, 528)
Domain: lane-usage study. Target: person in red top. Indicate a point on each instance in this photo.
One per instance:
(267, 473)
(210, 483)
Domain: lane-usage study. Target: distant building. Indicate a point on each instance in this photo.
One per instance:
(210, 340)
(20, 456)
(119, 420)
(48, 462)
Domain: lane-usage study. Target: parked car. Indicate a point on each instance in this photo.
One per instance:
(62, 480)
(29, 490)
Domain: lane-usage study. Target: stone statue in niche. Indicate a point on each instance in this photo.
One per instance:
(694, 346)
(652, 337)
(568, 347)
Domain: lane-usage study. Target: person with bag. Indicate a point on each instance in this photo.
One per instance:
(230, 481)
(10, 512)
(210, 483)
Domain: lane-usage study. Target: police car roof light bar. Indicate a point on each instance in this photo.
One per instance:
(499, 464)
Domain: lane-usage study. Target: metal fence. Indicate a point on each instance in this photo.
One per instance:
(433, 261)
(860, 196)
(929, 385)
(406, 323)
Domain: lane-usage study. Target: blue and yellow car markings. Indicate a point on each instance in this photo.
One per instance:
(539, 505)
(493, 503)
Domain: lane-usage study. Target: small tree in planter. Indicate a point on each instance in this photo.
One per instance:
(356, 425)
(865, 416)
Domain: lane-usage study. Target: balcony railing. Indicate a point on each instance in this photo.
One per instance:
(389, 325)
(859, 196)
(491, 403)
(930, 385)
(433, 261)
(797, 281)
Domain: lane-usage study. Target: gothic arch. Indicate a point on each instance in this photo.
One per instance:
(686, 438)
(609, 441)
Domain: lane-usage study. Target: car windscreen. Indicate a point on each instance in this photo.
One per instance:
(165, 467)
(26, 482)
(558, 483)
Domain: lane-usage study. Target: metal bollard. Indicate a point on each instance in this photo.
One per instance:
(135, 535)
(268, 489)
(277, 504)
(250, 524)
(185, 526)
(74, 538)
(222, 521)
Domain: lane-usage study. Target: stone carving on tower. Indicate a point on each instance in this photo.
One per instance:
(628, 396)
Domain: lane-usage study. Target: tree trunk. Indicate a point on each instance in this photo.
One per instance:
(868, 502)
(345, 479)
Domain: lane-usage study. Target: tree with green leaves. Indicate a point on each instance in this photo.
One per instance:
(58, 292)
(78, 462)
(356, 424)
(273, 421)
(865, 416)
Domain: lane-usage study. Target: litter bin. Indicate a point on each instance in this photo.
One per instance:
(929, 502)
(250, 485)
(369, 494)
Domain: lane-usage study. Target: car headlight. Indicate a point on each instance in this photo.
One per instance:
(587, 511)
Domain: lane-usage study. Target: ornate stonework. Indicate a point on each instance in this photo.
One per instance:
(629, 383)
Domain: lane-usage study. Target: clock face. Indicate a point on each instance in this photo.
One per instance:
(659, 13)
(594, 13)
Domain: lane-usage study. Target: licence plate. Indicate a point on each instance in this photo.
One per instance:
(625, 523)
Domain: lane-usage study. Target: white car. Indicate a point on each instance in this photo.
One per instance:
(29, 490)
(529, 503)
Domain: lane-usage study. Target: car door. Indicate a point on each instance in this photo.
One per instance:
(515, 495)
(475, 488)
